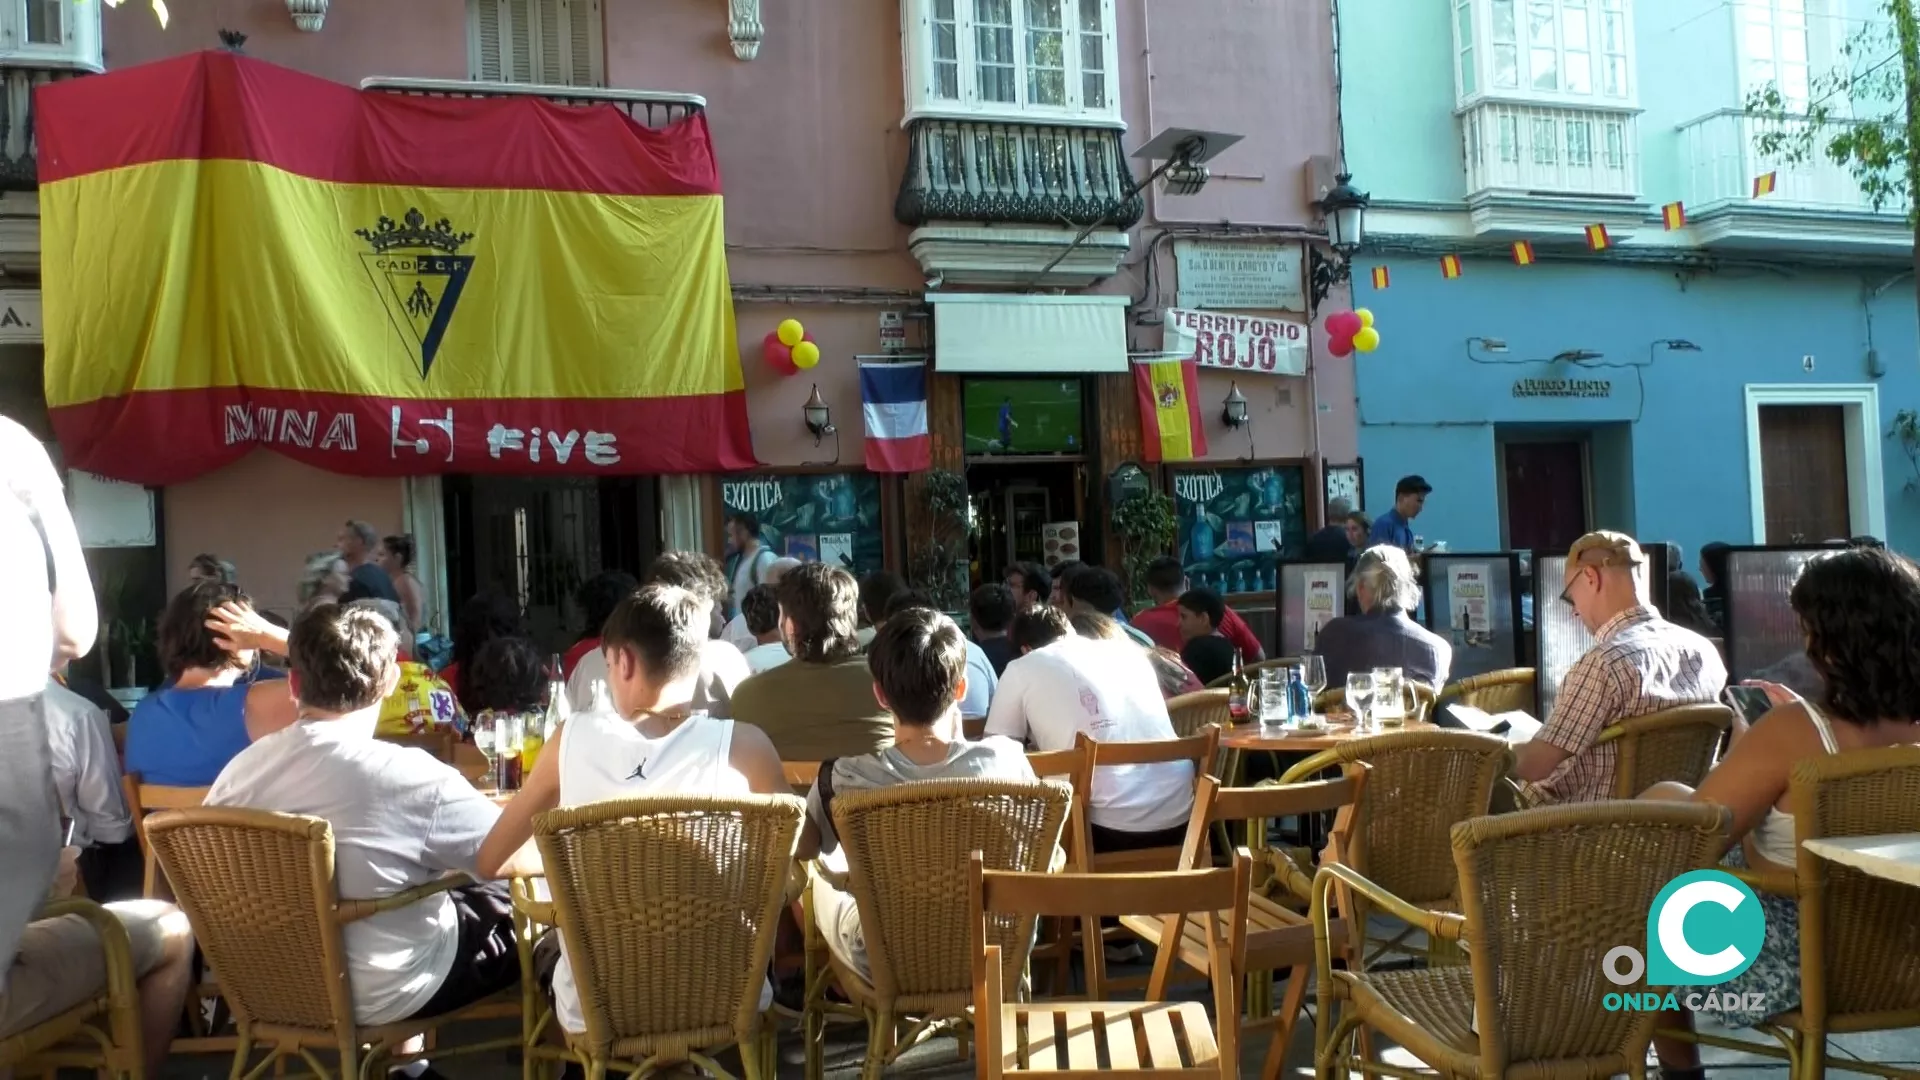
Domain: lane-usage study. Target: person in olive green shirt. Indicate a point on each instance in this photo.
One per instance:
(820, 705)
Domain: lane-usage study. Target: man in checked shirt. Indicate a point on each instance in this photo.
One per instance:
(1639, 663)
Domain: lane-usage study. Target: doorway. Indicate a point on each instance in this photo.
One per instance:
(1803, 473)
(1011, 505)
(1546, 488)
(537, 539)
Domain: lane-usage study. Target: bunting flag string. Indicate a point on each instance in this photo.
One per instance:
(1523, 253)
(1597, 238)
(1673, 216)
(1449, 266)
(1380, 277)
(1764, 183)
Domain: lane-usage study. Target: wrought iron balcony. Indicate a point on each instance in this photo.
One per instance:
(18, 169)
(654, 109)
(1026, 174)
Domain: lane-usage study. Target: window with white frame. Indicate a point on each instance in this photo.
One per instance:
(62, 33)
(543, 42)
(1780, 41)
(1011, 59)
(1576, 51)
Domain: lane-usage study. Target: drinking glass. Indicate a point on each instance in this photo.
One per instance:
(1315, 676)
(1360, 696)
(1272, 688)
(485, 736)
(508, 740)
(1389, 696)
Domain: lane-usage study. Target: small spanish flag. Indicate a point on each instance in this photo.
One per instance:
(1380, 277)
(1522, 253)
(1597, 238)
(1674, 215)
(1763, 184)
(1449, 266)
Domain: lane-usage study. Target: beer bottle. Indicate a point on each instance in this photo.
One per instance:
(1238, 692)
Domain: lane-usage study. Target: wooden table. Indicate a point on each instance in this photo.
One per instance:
(1895, 858)
(1246, 737)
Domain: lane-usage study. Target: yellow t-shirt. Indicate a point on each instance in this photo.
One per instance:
(421, 702)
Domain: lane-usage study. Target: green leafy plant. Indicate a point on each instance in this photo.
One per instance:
(1906, 428)
(939, 562)
(1145, 524)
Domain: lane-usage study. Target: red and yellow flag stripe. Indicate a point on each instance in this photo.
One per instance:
(1169, 395)
(378, 284)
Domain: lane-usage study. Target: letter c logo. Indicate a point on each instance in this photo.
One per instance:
(1727, 928)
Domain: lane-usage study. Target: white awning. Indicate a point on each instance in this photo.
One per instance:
(1007, 334)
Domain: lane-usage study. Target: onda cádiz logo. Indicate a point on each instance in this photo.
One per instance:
(1704, 929)
(419, 273)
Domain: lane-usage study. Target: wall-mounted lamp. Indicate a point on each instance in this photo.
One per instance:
(1234, 412)
(819, 418)
(1497, 346)
(1576, 356)
(1344, 209)
(1678, 345)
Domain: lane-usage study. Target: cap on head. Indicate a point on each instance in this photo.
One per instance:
(1603, 548)
(1411, 485)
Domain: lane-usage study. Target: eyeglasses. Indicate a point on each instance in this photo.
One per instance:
(1577, 575)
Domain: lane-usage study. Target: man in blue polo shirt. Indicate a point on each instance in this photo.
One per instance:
(1395, 527)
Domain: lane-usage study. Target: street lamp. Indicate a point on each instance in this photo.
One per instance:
(1234, 411)
(1183, 154)
(818, 417)
(1344, 209)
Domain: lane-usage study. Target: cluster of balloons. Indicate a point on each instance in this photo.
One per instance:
(789, 348)
(1351, 331)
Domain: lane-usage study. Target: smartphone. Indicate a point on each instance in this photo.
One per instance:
(66, 836)
(1750, 702)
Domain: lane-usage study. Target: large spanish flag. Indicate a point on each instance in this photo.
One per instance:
(237, 255)
(1170, 427)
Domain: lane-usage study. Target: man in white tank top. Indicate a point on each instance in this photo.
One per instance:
(655, 742)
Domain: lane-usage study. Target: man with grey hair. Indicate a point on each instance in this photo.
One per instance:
(365, 580)
(736, 632)
(1330, 544)
(1384, 634)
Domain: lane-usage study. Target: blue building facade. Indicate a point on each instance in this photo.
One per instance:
(1737, 378)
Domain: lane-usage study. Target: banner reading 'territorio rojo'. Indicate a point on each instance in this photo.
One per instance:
(237, 255)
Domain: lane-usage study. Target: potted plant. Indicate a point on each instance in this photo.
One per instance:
(939, 562)
(1146, 526)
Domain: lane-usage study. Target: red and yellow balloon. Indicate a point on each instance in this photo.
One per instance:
(789, 349)
(1353, 331)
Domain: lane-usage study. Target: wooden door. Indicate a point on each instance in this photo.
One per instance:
(1546, 494)
(1803, 473)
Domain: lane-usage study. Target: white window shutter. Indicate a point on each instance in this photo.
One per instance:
(522, 17)
(484, 18)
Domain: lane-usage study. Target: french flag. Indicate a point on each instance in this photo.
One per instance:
(893, 398)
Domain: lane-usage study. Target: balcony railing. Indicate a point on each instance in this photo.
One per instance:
(1538, 149)
(1028, 174)
(18, 170)
(650, 107)
(1722, 159)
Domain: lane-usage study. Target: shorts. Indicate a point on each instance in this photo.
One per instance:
(838, 918)
(487, 960)
(61, 963)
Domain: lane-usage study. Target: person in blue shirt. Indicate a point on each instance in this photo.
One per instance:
(1395, 527)
(1007, 423)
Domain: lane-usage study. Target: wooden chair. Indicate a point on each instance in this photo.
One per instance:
(1673, 744)
(907, 848)
(144, 799)
(1543, 894)
(259, 889)
(1085, 1040)
(1278, 938)
(1495, 691)
(1419, 700)
(1200, 749)
(668, 907)
(1859, 939)
(102, 1033)
(1259, 665)
(1420, 785)
(1192, 712)
(801, 775)
(1053, 951)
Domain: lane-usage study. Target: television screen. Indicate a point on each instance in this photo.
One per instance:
(1023, 416)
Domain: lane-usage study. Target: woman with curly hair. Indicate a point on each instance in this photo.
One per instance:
(1860, 612)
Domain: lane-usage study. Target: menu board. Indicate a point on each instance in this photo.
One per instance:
(1231, 518)
(814, 517)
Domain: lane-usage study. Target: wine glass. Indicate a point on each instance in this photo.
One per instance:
(485, 735)
(1360, 697)
(1315, 676)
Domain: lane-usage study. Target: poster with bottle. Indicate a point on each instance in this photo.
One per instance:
(836, 549)
(1467, 615)
(1323, 592)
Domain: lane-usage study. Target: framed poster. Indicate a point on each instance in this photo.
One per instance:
(814, 517)
(1345, 482)
(1237, 522)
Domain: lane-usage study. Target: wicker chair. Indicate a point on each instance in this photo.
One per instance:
(1419, 702)
(668, 906)
(1673, 744)
(1536, 919)
(1859, 940)
(1191, 712)
(101, 1033)
(1088, 1040)
(259, 889)
(907, 849)
(1249, 669)
(143, 799)
(1494, 692)
(1420, 785)
(1278, 938)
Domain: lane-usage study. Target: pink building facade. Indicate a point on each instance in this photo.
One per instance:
(899, 176)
